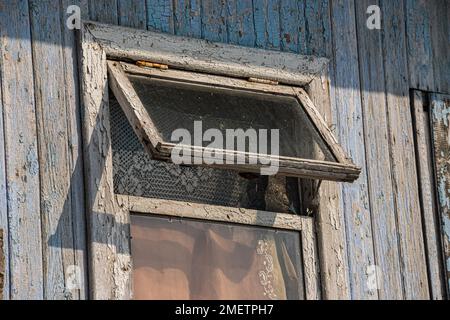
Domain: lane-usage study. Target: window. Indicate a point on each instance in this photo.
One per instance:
(160, 102)
(145, 236)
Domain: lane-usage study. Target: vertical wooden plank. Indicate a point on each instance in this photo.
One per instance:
(56, 215)
(133, 13)
(4, 247)
(440, 38)
(103, 11)
(292, 25)
(267, 23)
(160, 16)
(188, 19)
(110, 258)
(401, 139)
(73, 111)
(240, 26)
(422, 132)
(310, 260)
(420, 52)
(323, 198)
(22, 167)
(3, 289)
(214, 20)
(387, 255)
(440, 111)
(350, 130)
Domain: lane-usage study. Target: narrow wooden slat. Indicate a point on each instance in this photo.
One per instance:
(430, 215)
(188, 18)
(355, 197)
(292, 26)
(420, 49)
(214, 20)
(204, 56)
(103, 11)
(440, 39)
(322, 198)
(4, 247)
(387, 255)
(73, 111)
(57, 232)
(310, 260)
(240, 26)
(401, 139)
(22, 166)
(110, 259)
(440, 110)
(267, 23)
(132, 13)
(133, 108)
(160, 16)
(215, 213)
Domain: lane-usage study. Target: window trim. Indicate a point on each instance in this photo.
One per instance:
(142, 124)
(237, 216)
(108, 220)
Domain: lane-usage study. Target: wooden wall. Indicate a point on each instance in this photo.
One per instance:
(378, 218)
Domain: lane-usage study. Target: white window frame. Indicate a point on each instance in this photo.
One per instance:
(110, 264)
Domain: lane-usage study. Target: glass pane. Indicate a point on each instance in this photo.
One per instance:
(136, 174)
(173, 105)
(195, 259)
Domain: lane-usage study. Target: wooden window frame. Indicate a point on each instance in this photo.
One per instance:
(142, 124)
(108, 214)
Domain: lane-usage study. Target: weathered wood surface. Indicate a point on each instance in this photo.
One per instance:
(110, 263)
(55, 173)
(214, 213)
(3, 262)
(430, 215)
(207, 57)
(21, 155)
(132, 13)
(428, 36)
(401, 139)
(4, 248)
(75, 153)
(440, 111)
(350, 132)
(322, 199)
(376, 132)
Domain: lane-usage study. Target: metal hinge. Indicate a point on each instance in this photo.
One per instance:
(148, 64)
(263, 81)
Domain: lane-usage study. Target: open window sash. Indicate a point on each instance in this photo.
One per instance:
(334, 164)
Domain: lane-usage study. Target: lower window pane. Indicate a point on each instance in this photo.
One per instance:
(177, 258)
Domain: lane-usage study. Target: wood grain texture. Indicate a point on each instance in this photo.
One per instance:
(4, 247)
(292, 26)
(401, 139)
(108, 229)
(385, 238)
(440, 36)
(240, 23)
(75, 152)
(214, 20)
(22, 166)
(266, 15)
(430, 215)
(160, 16)
(188, 18)
(440, 111)
(104, 11)
(132, 13)
(420, 48)
(350, 132)
(56, 215)
(204, 56)
(310, 260)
